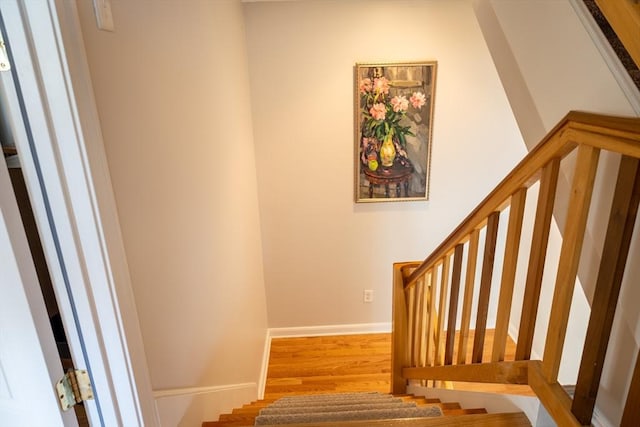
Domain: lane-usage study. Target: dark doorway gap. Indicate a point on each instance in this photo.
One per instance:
(42, 270)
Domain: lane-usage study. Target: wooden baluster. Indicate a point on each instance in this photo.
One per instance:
(485, 286)
(417, 321)
(624, 209)
(424, 332)
(631, 414)
(424, 316)
(442, 306)
(512, 246)
(573, 236)
(411, 295)
(431, 319)
(453, 304)
(468, 296)
(538, 254)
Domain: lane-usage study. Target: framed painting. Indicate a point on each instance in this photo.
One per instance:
(393, 130)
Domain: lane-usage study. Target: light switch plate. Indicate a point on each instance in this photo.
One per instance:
(104, 18)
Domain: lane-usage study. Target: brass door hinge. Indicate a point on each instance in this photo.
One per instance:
(5, 65)
(73, 388)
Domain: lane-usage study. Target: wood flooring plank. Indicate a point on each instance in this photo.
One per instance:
(332, 364)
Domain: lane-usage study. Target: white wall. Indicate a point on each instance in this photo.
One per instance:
(320, 248)
(171, 85)
(172, 90)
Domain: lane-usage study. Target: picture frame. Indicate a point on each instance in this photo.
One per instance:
(394, 105)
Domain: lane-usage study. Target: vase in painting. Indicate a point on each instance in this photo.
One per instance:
(387, 152)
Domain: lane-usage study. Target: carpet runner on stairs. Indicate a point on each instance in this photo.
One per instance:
(341, 407)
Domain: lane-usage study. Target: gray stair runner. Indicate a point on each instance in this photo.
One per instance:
(341, 407)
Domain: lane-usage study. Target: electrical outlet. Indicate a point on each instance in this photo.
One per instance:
(368, 295)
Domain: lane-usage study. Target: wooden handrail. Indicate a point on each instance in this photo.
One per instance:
(608, 133)
(424, 350)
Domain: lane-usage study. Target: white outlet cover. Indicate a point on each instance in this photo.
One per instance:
(368, 295)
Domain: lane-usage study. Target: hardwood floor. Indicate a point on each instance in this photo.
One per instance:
(329, 364)
(347, 363)
(352, 363)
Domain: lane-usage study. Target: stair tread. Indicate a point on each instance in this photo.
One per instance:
(373, 413)
(517, 419)
(339, 408)
(246, 415)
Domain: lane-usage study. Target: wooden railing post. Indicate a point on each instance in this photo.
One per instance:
(538, 254)
(453, 304)
(572, 239)
(511, 249)
(468, 296)
(485, 286)
(438, 358)
(624, 209)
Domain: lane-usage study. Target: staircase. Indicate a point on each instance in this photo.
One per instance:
(362, 409)
(434, 302)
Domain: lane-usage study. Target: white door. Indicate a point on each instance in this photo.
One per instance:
(29, 364)
(66, 174)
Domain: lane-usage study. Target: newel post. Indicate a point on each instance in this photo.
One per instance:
(400, 357)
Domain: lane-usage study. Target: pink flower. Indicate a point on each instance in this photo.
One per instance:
(399, 103)
(418, 99)
(381, 85)
(365, 85)
(378, 111)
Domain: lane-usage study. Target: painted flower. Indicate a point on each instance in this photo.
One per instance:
(378, 111)
(366, 85)
(418, 99)
(384, 110)
(399, 103)
(381, 85)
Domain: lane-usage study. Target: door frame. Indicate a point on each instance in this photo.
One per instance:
(68, 181)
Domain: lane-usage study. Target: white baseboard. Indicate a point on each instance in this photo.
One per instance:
(313, 331)
(316, 331)
(191, 406)
(171, 392)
